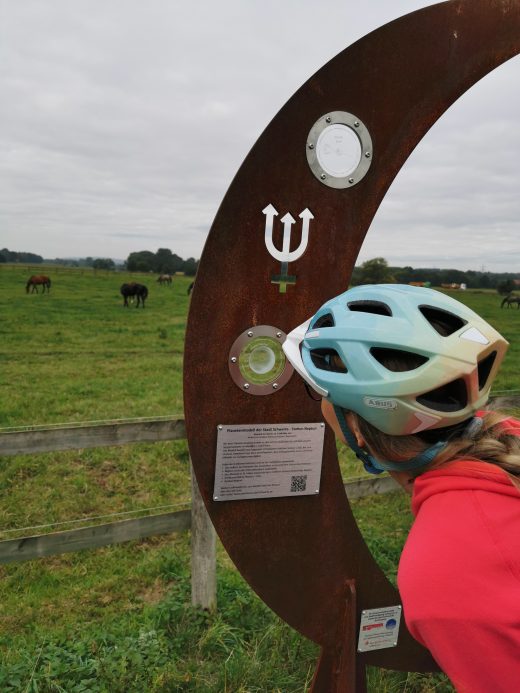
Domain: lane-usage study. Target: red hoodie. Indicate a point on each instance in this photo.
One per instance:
(459, 574)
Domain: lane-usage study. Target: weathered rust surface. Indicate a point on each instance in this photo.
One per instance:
(296, 553)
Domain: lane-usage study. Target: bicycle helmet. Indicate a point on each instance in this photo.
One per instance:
(404, 358)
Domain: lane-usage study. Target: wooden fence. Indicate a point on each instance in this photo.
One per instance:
(203, 560)
(51, 438)
(41, 439)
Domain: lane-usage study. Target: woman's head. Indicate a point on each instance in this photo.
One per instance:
(405, 359)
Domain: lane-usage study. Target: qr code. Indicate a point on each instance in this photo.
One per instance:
(298, 483)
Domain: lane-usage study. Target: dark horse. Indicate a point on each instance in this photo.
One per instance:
(509, 300)
(134, 290)
(164, 279)
(37, 280)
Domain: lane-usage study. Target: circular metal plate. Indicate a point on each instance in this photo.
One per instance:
(339, 149)
(257, 362)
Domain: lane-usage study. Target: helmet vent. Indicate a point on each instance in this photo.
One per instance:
(324, 321)
(442, 321)
(484, 369)
(450, 397)
(397, 360)
(328, 360)
(375, 307)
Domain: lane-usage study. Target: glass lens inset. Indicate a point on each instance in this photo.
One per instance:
(262, 360)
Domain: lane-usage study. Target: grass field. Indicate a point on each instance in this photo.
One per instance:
(119, 619)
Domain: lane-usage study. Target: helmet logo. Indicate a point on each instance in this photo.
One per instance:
(285, 255)
(380, 403)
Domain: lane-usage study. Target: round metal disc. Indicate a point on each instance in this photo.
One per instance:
(257, 363)
(339, 149)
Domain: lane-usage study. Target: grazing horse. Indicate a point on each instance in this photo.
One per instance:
(37, 280)
(509, 300)
(134, 290)
(164, 279)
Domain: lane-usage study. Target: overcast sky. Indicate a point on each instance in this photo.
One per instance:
(122, 124)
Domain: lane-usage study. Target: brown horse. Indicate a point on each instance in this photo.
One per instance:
(37, 280)
(164, 279)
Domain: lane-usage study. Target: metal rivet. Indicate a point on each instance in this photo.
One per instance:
(367, 154)
(246, 386)
(275, 386)
(395, 644)
(215, 497)
(310, 145)
(220, 428)
(317, 490)
(322, 425)
(233, 359)
(356, 124)
(350, 180)
(328, 119)
(323, 176)
(249, 334)
(278, 334)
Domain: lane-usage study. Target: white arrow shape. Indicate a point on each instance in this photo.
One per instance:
(288, 220)
(270, 213)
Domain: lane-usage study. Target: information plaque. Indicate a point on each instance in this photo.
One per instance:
(268, 460)
(379, 628)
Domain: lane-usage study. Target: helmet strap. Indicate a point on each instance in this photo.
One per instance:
(373, 466)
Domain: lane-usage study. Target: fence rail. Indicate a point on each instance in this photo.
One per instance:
(118, 433)
(101, 434)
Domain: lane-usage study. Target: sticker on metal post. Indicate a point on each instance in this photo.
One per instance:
(379, 628)
(268, 460)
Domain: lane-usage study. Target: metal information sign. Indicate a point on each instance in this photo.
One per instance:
(379, 628)
(268, 460)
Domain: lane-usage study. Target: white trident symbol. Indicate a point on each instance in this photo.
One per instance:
(285, 255)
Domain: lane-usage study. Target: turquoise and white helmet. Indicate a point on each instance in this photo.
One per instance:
(452, 356)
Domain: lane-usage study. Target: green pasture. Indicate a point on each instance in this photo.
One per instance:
(119, 619)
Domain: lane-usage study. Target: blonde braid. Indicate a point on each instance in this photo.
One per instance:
(492, 443)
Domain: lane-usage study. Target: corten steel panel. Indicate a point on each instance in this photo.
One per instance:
(296, 553)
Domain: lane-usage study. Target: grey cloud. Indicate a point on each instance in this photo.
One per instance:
(123, 124)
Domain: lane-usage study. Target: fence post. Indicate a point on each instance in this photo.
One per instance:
(203, 552)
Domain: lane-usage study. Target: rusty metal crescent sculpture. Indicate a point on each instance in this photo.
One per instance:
(299, 553)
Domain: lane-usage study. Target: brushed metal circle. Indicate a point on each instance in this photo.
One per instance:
(280, 375)
(339, 149)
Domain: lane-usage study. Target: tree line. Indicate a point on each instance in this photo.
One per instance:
(162, 262)
(374, 271)
(377, 271)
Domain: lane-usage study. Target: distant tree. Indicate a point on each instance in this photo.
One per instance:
(103, 263)
(404, 275)
(190, 267)
(164, 262)
(3, 258)
(505, 287)
(375, 271)
(15, 256)
(484, 281)
(143, 261)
